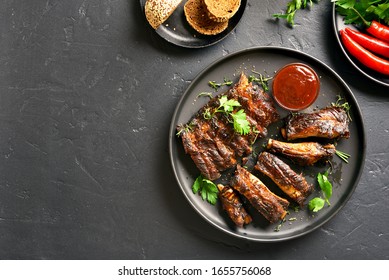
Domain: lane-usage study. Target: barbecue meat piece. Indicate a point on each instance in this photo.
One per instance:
(212, 142)
(331, 122)
(256, 103)
(291, 183)
(271, 206)
(232, 204)
(305, 153)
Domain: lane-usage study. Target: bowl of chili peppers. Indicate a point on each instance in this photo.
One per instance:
(363, 35)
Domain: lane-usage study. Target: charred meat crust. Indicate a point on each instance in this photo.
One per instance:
(271, 206)
(304, 154)
(233, 205)
(213, 144)
(331, 123)
(291, 183)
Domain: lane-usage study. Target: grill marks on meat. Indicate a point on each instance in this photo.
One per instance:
(307, 153)
(271, 206)
(232, 204)
(330, 122)
(213, 144)
(291, 183)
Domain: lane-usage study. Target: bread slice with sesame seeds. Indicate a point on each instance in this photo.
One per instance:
(221, 10)
(158, 11)
(197, 17)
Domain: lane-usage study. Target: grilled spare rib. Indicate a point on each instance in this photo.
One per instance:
(271, 206)
(232, 204)
(331, 122)
(305, 153)
(291, 183)
(212, 143)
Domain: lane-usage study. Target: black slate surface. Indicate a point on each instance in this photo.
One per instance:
(87, 92)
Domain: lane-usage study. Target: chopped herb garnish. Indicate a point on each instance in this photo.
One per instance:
(325, 186)
(264, 82)
(292, 7)
(278, 227)
(227, 105)
(343, 156)
(340, 102)
(241, 124)
(216, 85)
(317, 203)
(207, 189)
(207, 114)
(184, 128)
(238, 118)
(204, 93)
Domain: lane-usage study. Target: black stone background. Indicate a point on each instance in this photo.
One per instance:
(87, 92)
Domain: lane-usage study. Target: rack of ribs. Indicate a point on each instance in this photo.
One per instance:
(271, 206)
(331, 123)
(291, 183)
(305, 153)
(233, 205)
(212, 143)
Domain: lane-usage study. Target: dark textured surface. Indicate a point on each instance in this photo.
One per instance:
(87, 94)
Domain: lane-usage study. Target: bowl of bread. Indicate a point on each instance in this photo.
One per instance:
(193, 23)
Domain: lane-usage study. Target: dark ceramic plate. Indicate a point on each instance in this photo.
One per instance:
(344, 176)
(338, 25)
(176, 29)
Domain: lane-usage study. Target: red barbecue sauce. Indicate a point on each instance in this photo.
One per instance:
(296, 86)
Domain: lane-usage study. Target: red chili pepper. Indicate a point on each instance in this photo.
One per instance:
(364, 56)
(368, 42)
(379, 30)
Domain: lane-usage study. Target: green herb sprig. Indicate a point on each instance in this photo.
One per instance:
(206, 94)
(215, 85)
(342, 103)
(364, 11)
(317, 203)
(207, 189)
(237, 118)
(241, 124)
(184, 128)
(264, 82)
(292, 7)
(342, 155)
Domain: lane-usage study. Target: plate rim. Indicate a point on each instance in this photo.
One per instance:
(210, 42)
(172, 136)
(349, 58)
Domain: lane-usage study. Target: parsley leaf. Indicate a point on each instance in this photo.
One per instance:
(325, 185)
(316, 204)
(292, 7)
(206, 188)
(241, 124)
(362, 12)
(238, 118)
(228, 104)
